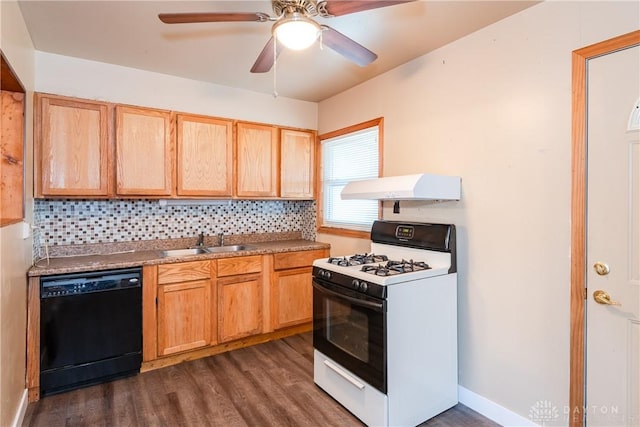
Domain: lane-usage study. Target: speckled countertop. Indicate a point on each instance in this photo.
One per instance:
(107, 256)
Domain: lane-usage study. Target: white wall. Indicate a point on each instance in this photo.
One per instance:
(15, 252)
(64, 75)
(495, 109)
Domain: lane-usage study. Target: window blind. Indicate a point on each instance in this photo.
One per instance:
(345, 158)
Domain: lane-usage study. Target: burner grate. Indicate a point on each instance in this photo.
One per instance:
(395, 267)
(357, 259)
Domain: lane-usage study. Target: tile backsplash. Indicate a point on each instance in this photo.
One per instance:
(71, 222)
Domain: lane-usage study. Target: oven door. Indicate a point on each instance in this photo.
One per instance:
(350, 328)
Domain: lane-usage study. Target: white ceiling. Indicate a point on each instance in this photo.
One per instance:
(129, 33)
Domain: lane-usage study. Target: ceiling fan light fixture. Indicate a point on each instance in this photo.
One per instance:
(296, 31)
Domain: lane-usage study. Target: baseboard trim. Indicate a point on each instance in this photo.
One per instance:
(22, 410)
(492, 410)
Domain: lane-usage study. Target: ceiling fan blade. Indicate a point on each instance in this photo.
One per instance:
(347, 47)
(266, 58)
(187, 18)
(344, 7)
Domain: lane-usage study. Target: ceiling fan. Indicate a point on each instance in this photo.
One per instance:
(294, 27)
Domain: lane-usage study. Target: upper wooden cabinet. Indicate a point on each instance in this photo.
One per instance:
(256, 160)
(205, 156)
(72, 150)
(96, 149)
(297, 164)
(144, 152)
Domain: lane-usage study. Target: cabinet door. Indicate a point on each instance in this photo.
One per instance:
(71, 147)
(184, 316)
(291, 297)
(144, 152)
(257, 160)
(297, 154)
(239, 307)
(205, 156)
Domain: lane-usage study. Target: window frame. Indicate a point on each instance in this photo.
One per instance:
(379, 122)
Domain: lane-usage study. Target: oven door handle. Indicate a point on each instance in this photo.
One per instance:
(378, 306)
(344, 375)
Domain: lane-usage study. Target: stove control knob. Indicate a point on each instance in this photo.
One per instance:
(327, 275)
(355, 283)
(363, 286)
(321, 273)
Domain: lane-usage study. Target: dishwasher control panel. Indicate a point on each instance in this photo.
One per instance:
(80, 283)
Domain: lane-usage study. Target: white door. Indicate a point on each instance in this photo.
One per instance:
(613, 242)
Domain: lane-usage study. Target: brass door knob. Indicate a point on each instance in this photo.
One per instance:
(602, 297)
(601, 268)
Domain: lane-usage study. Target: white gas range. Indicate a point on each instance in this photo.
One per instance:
(385, 325)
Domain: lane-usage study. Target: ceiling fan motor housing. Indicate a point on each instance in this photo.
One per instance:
(306, 7)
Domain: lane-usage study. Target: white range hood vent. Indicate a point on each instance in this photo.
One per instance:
(406, 187)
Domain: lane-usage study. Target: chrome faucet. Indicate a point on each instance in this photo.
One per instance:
(221, 239)
(200, 242)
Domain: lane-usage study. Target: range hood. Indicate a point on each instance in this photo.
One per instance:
(406, 187)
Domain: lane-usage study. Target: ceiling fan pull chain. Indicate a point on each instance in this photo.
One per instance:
(275, 63)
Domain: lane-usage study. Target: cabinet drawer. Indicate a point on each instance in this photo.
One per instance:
(239, 265)
(286, 260)
(183, 272)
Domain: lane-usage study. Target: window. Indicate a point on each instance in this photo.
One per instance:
(348, 155)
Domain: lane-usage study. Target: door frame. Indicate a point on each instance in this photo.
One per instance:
(578, 325)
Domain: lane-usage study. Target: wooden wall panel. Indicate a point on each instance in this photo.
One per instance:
(11, 157)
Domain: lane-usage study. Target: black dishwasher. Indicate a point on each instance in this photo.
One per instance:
(90, 328)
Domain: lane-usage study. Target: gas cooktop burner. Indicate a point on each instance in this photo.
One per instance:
(357, 259)
(395, 267)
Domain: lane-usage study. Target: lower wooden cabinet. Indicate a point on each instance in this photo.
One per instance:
(291, 297)
(184, 316)
(239, 307)
(192, 309)
(184, 307)
(291, 289)
(239, 297)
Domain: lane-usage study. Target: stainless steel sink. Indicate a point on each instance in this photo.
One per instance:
(230, 248)
(212, 249)
(183, 252)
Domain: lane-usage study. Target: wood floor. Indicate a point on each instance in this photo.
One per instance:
(269, 384)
